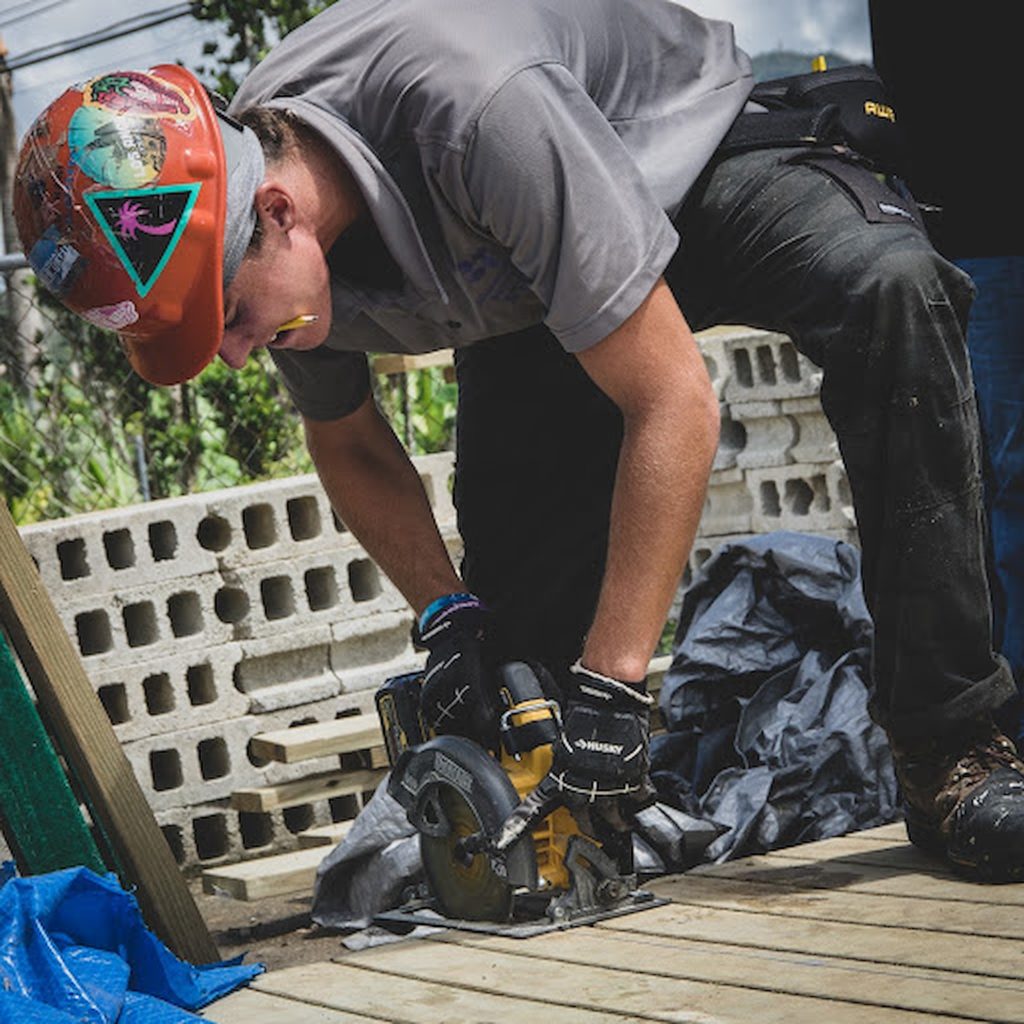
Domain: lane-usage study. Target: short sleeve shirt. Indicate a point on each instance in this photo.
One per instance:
(521, 162)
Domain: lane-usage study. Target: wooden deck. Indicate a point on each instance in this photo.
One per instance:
(857, 930)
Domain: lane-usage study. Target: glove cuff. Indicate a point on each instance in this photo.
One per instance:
(606, 691)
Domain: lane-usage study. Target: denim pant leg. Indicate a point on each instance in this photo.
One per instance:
(783, 246)
(995, 338)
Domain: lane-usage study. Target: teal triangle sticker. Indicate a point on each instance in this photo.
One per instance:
(143, 226)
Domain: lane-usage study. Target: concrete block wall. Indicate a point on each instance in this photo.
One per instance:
(205, 620)
(202, 621)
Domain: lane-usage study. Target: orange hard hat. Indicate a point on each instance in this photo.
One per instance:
(120, 199)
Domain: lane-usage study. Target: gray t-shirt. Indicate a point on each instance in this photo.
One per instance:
(521, 160)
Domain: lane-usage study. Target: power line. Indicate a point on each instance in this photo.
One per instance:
(30, 14)
(115, 31)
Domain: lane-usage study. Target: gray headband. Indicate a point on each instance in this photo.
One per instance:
(246, 167)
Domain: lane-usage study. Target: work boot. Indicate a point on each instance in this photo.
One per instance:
(964, 801)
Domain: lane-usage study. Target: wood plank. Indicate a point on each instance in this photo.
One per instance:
(277, 875)
(893, 945)
(247, 1006)
(319, 739)
(848, 982)
(485, 965)
(431, 999)
(869, 850)
(88, 744)
(853, 876)
(398, 363)
(823, 904)
(304, 791)
(324, 835)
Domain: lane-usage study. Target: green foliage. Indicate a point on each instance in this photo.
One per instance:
(421, 407)
(252, 29)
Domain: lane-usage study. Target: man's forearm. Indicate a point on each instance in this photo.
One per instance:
(378, 494)
(660, 488)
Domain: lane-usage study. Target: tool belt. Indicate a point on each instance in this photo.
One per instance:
(845, 106)
(840, 122)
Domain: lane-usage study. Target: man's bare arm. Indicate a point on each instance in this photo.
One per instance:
(375, 489)
(652, 369)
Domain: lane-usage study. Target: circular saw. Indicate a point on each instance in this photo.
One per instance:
(499, 851)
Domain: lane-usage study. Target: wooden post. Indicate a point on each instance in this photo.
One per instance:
(86, 739)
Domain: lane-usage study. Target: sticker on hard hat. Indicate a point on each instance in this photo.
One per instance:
(133, 92)
(143, 226)
(121, 151)
(114, 317)
(57, 264)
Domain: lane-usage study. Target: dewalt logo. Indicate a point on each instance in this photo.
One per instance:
(879, 110)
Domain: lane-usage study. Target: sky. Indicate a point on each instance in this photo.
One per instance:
(761, 26)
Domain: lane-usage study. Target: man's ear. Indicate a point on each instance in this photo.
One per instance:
(275, 202)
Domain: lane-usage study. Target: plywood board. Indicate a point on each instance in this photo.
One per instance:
(319, 739)
(304, 791)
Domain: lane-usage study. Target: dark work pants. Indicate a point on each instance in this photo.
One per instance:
(781, 246)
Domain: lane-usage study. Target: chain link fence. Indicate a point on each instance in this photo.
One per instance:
(80, 431)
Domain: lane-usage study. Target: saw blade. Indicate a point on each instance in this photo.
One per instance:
(465, 887)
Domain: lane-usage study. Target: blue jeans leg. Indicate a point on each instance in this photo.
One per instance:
(995, 338)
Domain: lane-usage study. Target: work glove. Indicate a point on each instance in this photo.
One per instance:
(457, 695)
(602, 753)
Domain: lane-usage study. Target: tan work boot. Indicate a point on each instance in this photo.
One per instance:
(965, 803)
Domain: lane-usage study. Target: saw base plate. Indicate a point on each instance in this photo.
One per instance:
(425, 912)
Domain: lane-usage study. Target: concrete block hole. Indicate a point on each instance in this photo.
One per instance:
(214, 533)
(210, 833)
(114, 699)
(74, 564)
(214, 759)
(119, 548)
(172, 833)
(165, 769)
(277, 597)
(185, 613)
(256, 830)
(231, 604)
(259, 526)
(298, 819)
(321, 588)
(163, 542)
(159, 694)
(93, 632)
(363, 579)
(140, 624)
(201, 686)
(303, 518)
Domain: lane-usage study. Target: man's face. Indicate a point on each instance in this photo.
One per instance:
(285, 278)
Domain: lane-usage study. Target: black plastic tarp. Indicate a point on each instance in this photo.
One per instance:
(766, 701)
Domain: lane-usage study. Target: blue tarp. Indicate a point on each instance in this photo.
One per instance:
(75, 950)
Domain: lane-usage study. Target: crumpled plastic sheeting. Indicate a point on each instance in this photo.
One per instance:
(368, 871)
(75, 950)
(766, 700)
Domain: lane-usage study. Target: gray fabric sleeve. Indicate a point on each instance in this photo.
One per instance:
(547, 176)
(324, 383)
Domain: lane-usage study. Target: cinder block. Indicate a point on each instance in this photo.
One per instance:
(765, 366)
(728, 505)
(769, 434)
(815, 439)
(162, 695)
(103, 552)
(798, 497)
(167, 618)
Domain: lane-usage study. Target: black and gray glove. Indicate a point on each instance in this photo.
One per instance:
(602, 752)
(456, 697)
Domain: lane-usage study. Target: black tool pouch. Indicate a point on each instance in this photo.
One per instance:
(844, 106)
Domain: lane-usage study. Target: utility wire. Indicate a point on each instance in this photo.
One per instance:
(30, 14)
(115, 31)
